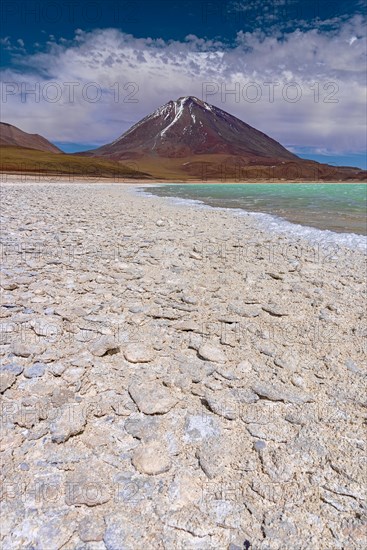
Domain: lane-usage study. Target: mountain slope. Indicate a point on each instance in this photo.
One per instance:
(19, 160)
(188, 127)
(11, 135)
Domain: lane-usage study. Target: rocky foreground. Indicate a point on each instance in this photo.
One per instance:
(175, 378)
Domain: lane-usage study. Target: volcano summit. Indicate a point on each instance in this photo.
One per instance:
(188, 127)
(189, 139)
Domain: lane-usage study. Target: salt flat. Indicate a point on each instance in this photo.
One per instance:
(176, 377)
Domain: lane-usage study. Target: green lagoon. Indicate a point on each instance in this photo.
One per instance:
(340, 208)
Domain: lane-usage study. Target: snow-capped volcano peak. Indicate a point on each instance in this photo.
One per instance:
(189, 126)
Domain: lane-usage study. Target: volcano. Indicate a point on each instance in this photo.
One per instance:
(189, 127)
(189, 139)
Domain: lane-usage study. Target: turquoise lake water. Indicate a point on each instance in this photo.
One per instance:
(340, 208)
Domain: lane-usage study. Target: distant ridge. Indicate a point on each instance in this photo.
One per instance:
(11, 135)
(184, 140)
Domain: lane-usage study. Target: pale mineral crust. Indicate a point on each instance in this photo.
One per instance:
(176, 377)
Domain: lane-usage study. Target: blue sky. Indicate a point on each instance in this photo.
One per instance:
(82, 72)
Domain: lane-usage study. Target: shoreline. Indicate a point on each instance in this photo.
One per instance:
(181, 361)
(61, 178)
(271, 221)
(279, 225)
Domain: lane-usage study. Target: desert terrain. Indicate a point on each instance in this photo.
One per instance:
(176, 377)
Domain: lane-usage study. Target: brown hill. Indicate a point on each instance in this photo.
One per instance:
(11, 135)
(19, 160)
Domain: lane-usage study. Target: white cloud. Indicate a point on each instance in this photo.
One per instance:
(325, 69)
(7, 44)
(5, 41)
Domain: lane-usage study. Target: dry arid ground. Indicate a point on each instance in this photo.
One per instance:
(30, 164)
(176, 378)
